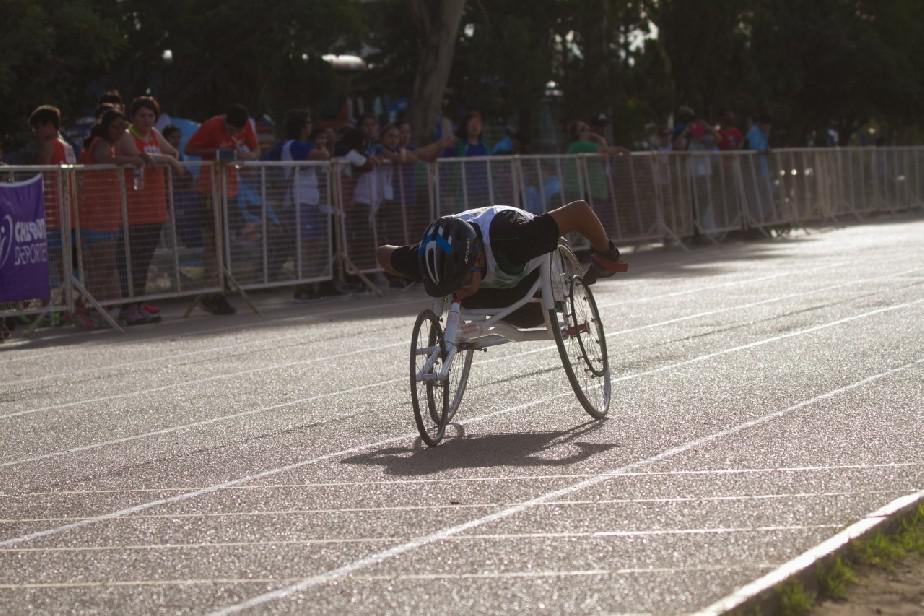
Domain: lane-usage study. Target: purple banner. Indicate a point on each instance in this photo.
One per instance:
(23, 242)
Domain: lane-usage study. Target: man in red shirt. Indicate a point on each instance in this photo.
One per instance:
(230, 136)
(226, 137)
(730, 138)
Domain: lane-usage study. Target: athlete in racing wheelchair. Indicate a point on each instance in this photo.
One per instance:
(503, 275)
(482, 256)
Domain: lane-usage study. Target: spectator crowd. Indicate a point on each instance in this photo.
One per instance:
(122, 207)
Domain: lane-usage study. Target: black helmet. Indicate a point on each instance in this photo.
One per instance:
(446, 254)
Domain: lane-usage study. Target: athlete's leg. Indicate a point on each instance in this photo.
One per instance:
(579, 217)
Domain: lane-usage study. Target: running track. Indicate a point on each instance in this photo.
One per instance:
(768, 395)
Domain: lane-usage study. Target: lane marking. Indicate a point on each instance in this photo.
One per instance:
(391, 345)
(206, 379)
(194, 424)
(313, 360)
(387, 508)
(809, 557)
(492, 478)
(410, 576)
(172, 429)
(705, 258)
(423, 540)
(387, 441)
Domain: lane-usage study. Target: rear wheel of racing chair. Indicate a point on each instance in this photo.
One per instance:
(578, 332)
(429, 395)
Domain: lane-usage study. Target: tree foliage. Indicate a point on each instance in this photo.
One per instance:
(808, 64)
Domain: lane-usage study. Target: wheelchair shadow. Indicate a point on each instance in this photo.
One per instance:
(459, 451)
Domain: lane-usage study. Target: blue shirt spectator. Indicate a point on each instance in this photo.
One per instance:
(758, 137)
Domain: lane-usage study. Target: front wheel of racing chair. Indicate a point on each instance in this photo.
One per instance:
(579, 336)
(429, 395)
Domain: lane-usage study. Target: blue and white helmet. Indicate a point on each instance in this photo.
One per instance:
(446, 254)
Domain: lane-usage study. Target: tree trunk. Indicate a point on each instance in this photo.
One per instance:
(437, 27)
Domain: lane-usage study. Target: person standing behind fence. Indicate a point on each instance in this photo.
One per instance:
(230, 136)
(470, 143)
(301, 193)
(52, 149)
(146, 188)
(730, 138)
(365, 158)
(758, 137)
(100, 210)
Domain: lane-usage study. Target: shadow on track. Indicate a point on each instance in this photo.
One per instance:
(558, 448)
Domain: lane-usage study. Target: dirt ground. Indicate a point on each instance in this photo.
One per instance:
(898, 590)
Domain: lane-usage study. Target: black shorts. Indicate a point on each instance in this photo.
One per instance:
(516, 239)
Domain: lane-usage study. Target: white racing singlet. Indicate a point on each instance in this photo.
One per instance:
(496, 278)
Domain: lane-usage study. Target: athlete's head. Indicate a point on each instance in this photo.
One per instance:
(447, 255)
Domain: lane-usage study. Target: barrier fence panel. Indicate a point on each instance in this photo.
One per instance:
(541, 186)
(917, 161)
(135, 234)
(55, 189)
(541, 183)
(823, 170)
(473, 182)
(714, 190)
(674, 191)
(146, 233)
(412, 202)
(278, 223)
(622, 211)
(359, 197)
(647, 217)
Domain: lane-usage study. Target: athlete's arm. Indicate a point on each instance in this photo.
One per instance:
(383, 256)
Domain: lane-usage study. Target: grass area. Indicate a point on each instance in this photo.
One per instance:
(834, 576)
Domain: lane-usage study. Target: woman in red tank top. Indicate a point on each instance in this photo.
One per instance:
(146, 189)
(99, 210)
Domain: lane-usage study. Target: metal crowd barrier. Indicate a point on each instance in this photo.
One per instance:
(147, 233)
(278, 223)
(121, 235)
(389, 204)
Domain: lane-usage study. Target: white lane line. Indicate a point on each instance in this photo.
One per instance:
(296, 465)
(416, 301)
(313, 360)
(435, 507)
(206, 379)
(162, 359)
(195, 424)
(423, 540)
(173, 429)
(491, 478)
(603, 534)
(705, 258)
(806, 559)
(409, 576)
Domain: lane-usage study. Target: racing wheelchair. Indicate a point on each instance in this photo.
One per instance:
(446, 336)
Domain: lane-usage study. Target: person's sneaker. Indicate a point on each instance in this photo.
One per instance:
(604, 264)
(150, 308)
(216, 303)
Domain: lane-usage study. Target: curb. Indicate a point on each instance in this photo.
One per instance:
(761, 596)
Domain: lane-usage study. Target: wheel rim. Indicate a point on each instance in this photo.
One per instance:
(585, 343)
(429, 398)
(585, 324)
